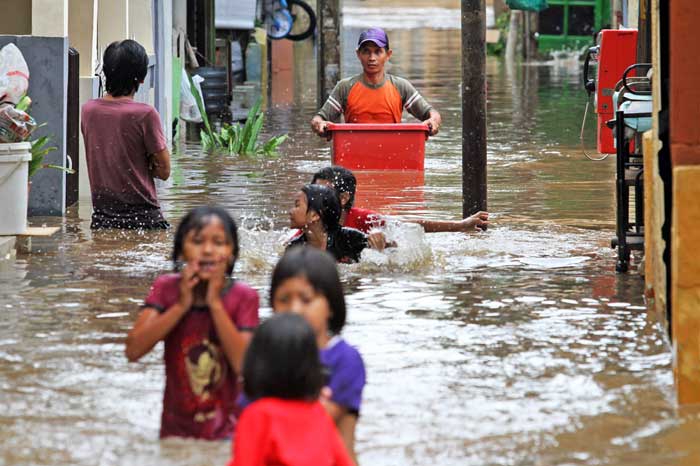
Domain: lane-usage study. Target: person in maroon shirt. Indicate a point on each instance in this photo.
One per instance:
(344, 182)
(206, 320)
(124, 145)
(286, 424)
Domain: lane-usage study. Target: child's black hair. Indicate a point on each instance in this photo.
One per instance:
(324, 201)
(282, 360)
(125, 64)
(198, 218)
(342, 179)
(319, 269)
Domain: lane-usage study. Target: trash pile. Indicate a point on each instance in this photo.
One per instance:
(16, 124)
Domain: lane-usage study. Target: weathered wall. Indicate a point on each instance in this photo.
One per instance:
(685, 91)
(50, 18)
(685, 233)
(686, 282)
(47, 58)
(20, 21)
(82, 31)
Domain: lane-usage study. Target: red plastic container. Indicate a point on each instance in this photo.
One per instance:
(379, 146)
(390, 191)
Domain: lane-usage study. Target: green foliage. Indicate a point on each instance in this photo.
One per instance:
(236, 139)
(39, 151)
(502, 24)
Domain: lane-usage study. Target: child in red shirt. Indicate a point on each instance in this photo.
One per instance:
(205, 319)
(285, 425)
(306, 282)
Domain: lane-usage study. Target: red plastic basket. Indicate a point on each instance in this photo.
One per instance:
(379, 146)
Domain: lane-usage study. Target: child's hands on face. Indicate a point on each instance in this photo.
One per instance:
(217, 280)
(188, 280)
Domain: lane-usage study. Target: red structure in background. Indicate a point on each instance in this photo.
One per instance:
(616, 50)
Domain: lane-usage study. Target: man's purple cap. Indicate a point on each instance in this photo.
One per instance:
(376, 35)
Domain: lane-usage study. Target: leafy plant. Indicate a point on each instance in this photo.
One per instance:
(502, 25)
(39, 151)
(237, 139)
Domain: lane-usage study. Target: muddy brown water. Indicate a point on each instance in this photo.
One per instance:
(518, 346)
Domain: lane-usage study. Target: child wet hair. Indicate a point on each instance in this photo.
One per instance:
(319, 269)
(198, 218)
(342, 179)
(324, 201)
(125, 64)
(282, 360)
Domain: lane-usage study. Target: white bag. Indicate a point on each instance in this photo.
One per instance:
(14, 74)
(189, 111)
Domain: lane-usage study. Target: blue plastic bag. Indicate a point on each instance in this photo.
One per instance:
(528, 5)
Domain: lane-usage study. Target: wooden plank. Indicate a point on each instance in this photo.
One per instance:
(40, 231)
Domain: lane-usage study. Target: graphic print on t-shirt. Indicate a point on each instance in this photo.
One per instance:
(206, 369)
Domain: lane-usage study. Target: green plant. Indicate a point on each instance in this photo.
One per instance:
(237, 139)
(39, 151)
(502, 25)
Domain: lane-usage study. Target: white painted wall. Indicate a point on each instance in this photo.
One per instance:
(50, 18)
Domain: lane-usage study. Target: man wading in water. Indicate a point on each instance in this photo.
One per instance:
(124, 145)
(374, 96)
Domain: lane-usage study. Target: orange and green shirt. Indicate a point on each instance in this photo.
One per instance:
(360, 102)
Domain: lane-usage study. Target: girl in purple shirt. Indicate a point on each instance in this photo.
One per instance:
(306, 282)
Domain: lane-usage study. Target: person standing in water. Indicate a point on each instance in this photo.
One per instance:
(374, 96)
(124, 145)
(206, 319)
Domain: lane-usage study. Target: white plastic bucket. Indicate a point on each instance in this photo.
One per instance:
(14, 179)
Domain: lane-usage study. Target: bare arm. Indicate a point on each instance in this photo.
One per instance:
(434, 121)
(233, 341)
(477, 222)
(318, 125)
(346, 423)
(160, 165)
(151, 327)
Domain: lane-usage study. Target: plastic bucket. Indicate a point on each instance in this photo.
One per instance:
(14, 178)
(379, 146)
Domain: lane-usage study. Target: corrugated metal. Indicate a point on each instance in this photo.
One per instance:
(235, 14)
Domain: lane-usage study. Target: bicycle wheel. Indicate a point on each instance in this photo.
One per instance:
(304, 18)
(280, 24)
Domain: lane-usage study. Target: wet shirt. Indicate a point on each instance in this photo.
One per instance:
(360, 102)
(346, 244)
(346, 371)
(274, 431)
(119, 138)
(363, 219)
(201, 387)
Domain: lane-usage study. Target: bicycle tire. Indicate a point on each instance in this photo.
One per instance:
(312, 20)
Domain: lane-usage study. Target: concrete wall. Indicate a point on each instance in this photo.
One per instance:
(685, 230)
(82, 32)
(19, 23)
(47, 58)
(50, 18)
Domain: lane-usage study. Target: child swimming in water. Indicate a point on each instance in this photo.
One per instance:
(345, 184)
(306, 282)
(316, 212)
(285, 425)
(206, 320)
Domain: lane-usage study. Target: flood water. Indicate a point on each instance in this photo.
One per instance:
(517, 346)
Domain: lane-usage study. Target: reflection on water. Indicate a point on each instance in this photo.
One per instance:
(516, 346)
